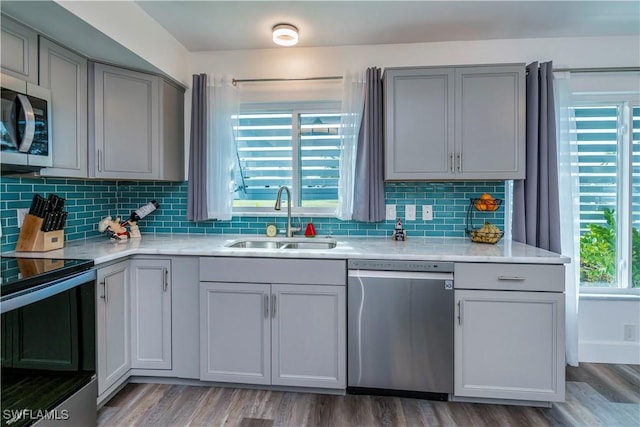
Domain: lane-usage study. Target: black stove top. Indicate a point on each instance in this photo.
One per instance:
(20, 273)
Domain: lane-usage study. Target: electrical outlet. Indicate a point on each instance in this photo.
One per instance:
(391, 213)
(410, 212)
(427, 212)
(21, 214)
(629, 332)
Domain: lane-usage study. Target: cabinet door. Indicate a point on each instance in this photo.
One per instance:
(235, 336)
(489, 131)
(125, 134)
(150, 314)
(19, 51)
(172, 132)
(510, 345)
(65, 74)
(113, 329)
(419, 131)
(309, 335)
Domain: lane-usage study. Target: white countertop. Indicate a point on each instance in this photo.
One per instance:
(102, 250)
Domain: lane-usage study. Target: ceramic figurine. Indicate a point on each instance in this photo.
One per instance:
(398, 232)
(113, 228)
(134, 230)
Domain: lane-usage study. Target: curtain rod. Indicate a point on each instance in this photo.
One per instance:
(598, 69)
(236, 81)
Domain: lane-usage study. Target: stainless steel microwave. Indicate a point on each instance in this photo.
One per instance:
(25, 131)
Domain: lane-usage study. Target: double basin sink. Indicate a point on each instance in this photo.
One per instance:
(282, 243)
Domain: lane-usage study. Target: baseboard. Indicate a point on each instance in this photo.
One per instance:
(622, 352)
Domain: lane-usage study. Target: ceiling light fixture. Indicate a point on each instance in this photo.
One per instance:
(285, 35)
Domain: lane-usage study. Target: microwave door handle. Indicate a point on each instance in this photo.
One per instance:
(30, 128)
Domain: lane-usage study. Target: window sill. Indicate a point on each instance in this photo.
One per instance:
(614, 294)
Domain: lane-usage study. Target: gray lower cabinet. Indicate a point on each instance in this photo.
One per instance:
(509, 344)
(19, 50)
(454, 122)
(273, 321)
(64, 73)
(113, 326)
(137, 130)
(308, 332)
(279, 334)
(235, 332)
(150, 313)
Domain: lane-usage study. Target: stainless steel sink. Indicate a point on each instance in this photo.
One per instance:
(283, 243)
(252, 244)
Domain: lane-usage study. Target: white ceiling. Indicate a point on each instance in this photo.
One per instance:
(230, 25)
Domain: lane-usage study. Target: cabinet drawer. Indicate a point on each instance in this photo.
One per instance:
(273, 270)
(509, 277)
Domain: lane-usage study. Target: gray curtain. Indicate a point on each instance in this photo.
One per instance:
(197, 185)
(368, 197)
(536, 212)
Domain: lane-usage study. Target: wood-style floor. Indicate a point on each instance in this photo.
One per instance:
(596, 395)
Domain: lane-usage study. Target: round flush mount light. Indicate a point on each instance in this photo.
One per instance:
(285, 35)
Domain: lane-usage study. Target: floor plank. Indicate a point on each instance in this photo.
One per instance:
(596, 395)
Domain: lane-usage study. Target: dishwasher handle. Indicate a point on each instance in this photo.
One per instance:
(384, 274)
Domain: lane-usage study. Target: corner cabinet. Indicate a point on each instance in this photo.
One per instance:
(455, 123)
(150, 313)
(19, 50)
(113, 326)
(509, 344)
(64, 73)
(138, 125)
(289, 334)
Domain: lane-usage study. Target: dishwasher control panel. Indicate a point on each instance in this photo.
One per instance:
(399, 265)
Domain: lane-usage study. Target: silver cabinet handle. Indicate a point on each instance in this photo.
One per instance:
(460, 312)
(451, 161)
(104, 288)
(266, 306)
(273, 306)
(459, 162)
(99, 160)
(165, 285)
(513, 278)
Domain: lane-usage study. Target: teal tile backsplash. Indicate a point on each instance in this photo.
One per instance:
(88, 201)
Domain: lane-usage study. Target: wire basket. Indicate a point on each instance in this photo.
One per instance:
(486, 205)
(478, 236)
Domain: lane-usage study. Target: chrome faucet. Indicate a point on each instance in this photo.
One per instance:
(290, 229)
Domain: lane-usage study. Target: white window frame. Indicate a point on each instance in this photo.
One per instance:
(625, 102)
(296, 108)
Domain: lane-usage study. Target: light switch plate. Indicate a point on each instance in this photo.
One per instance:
(391, 213)
(427, 212)
(410, 212)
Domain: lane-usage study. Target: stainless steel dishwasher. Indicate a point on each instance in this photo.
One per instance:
(400, 320)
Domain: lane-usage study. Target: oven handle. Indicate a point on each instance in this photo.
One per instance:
(41, 292)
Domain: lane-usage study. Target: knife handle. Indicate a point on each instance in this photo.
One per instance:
(48, 221)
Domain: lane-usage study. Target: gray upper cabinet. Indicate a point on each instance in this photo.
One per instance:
(19, 56)
(137, 131)
(65, 74)
(455, 123)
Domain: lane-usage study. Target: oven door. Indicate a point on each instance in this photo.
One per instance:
(48, 350)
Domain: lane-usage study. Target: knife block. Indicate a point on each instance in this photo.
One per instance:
(32, 239)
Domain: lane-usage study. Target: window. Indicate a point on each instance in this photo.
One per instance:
(608, 141)
(298, 147)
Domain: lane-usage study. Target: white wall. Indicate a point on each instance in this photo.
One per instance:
(127, 24)
(600, 321)
(312, 62)
(601, 333)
